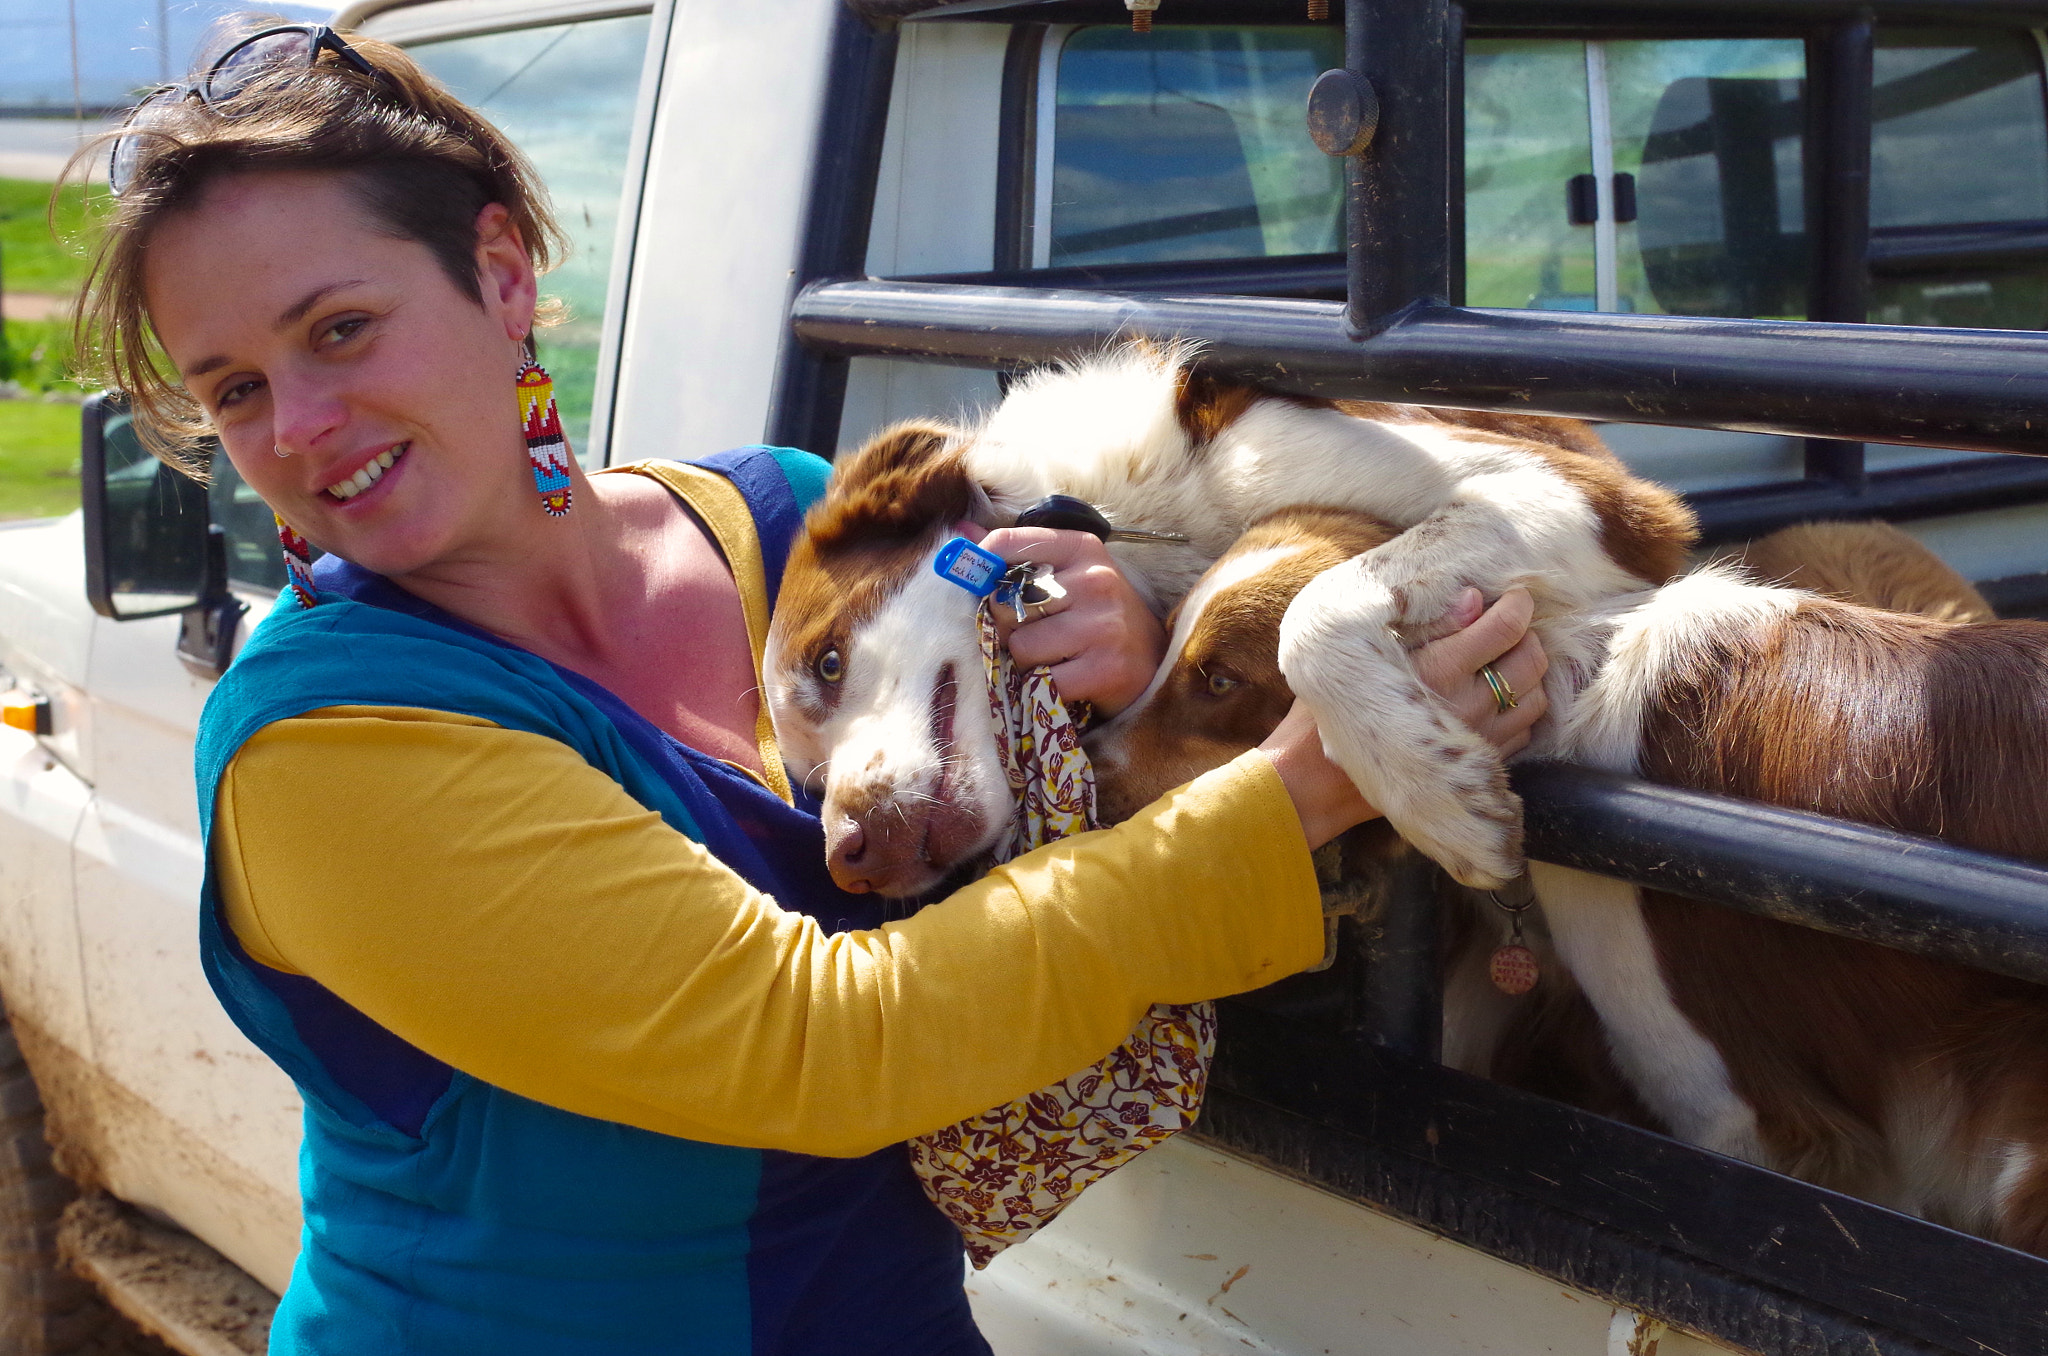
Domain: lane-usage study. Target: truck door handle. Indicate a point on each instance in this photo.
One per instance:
(1582, 199)
(1624, 197)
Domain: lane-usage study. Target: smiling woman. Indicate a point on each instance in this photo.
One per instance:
(503, 866)
(345, 357)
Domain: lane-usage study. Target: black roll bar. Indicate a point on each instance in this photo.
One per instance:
(1398, 192)
(1895, 889)
(1840, 64)
(1541, 14)
(1975, 390)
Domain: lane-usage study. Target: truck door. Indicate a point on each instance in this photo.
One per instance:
(169, 1105)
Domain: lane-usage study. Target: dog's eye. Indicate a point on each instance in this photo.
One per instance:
(830, 667)
(1221, 684)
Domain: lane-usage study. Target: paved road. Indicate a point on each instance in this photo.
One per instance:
(36, 148)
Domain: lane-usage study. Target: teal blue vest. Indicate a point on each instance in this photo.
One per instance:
(445, 1215)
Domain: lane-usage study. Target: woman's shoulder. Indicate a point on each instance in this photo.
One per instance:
(763, 474)
(753, 499)
(343, 652)
(806, 472)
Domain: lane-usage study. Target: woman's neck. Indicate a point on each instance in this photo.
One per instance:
(629, 591)
(550, 587)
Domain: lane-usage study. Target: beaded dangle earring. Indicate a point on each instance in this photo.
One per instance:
(546, 448)
(298, 563)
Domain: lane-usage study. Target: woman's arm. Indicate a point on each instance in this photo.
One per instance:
(491, 898)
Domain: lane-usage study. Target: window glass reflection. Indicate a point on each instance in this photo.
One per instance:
(564, 94)
(1526, 136)
(1958, 132)
(1959, 181)
(1711, 130)
(1187, 143)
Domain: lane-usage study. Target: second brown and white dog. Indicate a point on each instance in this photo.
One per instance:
(1906, 1081)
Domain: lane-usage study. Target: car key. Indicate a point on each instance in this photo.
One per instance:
(1075, 514)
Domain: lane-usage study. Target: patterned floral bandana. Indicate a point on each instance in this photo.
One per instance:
(1001, 1176)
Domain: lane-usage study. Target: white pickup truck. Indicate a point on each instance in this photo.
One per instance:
(712, 159)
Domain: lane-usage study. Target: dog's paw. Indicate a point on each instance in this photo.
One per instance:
(1441, 786)
(1445, 792)
(1477, 838)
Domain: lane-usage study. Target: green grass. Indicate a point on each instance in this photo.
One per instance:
(37, 355)
(31, 258)
(38, 458)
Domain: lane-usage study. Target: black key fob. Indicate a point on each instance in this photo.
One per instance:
(1066, 511)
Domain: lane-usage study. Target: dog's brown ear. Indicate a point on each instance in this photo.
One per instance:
(1207, 405)
(905, 481)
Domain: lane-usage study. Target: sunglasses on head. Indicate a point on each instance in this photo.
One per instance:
(287, 47)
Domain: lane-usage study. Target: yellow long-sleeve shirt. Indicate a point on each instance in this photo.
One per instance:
(490, 897)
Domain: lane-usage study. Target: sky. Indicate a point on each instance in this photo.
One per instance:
(123, 46)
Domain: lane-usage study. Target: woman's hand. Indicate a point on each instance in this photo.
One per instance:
(1101, 642)
(1325, 798)
(1497, 635)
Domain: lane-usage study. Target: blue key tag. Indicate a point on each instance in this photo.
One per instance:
(961, 562)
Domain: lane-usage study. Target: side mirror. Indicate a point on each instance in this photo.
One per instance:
(151, 546)
(146, 525)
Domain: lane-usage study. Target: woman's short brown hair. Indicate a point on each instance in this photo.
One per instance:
(420, 162)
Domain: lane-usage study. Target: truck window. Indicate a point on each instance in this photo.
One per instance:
(250, 530)
(1959, 236)
(1526, 135)
(1662, 176)
(1711, 131)
(1653, 176)
(565, 93)
(1187, 143)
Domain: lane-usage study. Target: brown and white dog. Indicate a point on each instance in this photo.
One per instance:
(1870, 563)
(1920, 1085)
(869, 648)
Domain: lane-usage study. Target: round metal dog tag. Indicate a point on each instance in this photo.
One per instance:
(1513, 969)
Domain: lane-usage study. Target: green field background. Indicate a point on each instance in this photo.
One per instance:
(41, 252)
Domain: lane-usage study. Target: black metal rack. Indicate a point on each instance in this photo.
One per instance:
(1358, 1105)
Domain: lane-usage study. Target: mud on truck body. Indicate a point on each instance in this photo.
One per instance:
(1792, 254)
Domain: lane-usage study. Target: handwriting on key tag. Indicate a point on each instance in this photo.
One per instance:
(960, 561)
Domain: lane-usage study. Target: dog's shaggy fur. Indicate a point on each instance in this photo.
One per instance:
(1487, 500)
(1917, 1084)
